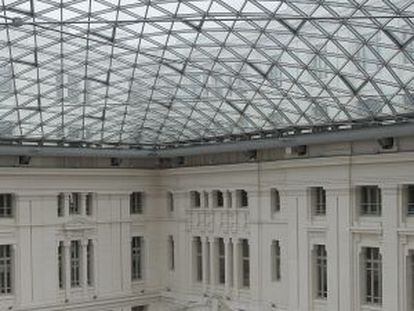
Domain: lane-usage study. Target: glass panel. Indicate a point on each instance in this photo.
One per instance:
(187, 72)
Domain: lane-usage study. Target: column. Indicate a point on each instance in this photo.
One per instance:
(84, 265)
(82, 203)
(390, 247)
(66, 204)
(204, 246)
(228, 264)
(213, 259)
(15, 271)
(236, 263)
(66, 264)
(226, 199)
(205, 199)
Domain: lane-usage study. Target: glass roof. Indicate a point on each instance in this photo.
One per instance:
(155, 73)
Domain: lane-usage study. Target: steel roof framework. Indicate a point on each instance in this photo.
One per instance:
(155, 74)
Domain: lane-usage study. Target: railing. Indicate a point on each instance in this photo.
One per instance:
(217, 220)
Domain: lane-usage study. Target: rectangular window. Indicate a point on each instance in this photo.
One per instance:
(410, 200)
(195, 199)
(318, 198)
(370, 201)
(199, 259)
(373, 275)
(135, 201)
(89, 262)
(5, 269)
(221, 261)
(139, 308)
(136, 258)
(245, 263)
(219, 200)
(61, 205)
(276, 261)
(321, 270)
(274, 200)
(171, 251)
(74, 203)
(75, 260)
(61, 268)
(6, 205)
(89, 204)
(243, 198)
(170, 202)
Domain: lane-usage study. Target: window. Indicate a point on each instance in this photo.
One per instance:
(139, 308)
(6, 205)
(318, 201)
(195, 199)
(170, 202)
(245, 263)
(89, 204)
(75, 260)
(137, 258)
(5, 269)
(221, 261)
(89, 263)
(74, 204)
(372, 275)
(171, 252)
(218, 197)
(61, 268)
(136, 203)
(61, 204)
(410, 200)
(199, 259)
(370, 201)
(274, 200)
(243, 198)
(321, 265)
(276, 261)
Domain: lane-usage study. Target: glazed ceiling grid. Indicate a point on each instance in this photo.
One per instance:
(160, 72)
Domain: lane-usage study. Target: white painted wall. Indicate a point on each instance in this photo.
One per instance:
(36, 229)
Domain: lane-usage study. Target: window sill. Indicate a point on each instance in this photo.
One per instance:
(371, 307)
(6, 297)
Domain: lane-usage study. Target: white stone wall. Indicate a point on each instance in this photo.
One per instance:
(35, 231)
(342, 230)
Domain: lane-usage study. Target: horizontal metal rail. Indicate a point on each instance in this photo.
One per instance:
(370, 133)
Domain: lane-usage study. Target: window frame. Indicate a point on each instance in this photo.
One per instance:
(6, 205)
(75, 263)
(199, 259)
(137, 262)
(276, 261)
(221, 252)
(136, 203)
(6, 270)
(318, 201)
(372, 275)
(171, 253)
(370, 201)
(74, 203)
(275, 200)
(245, 263)
(321, 271)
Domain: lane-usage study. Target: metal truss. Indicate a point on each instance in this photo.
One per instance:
(163, 73)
